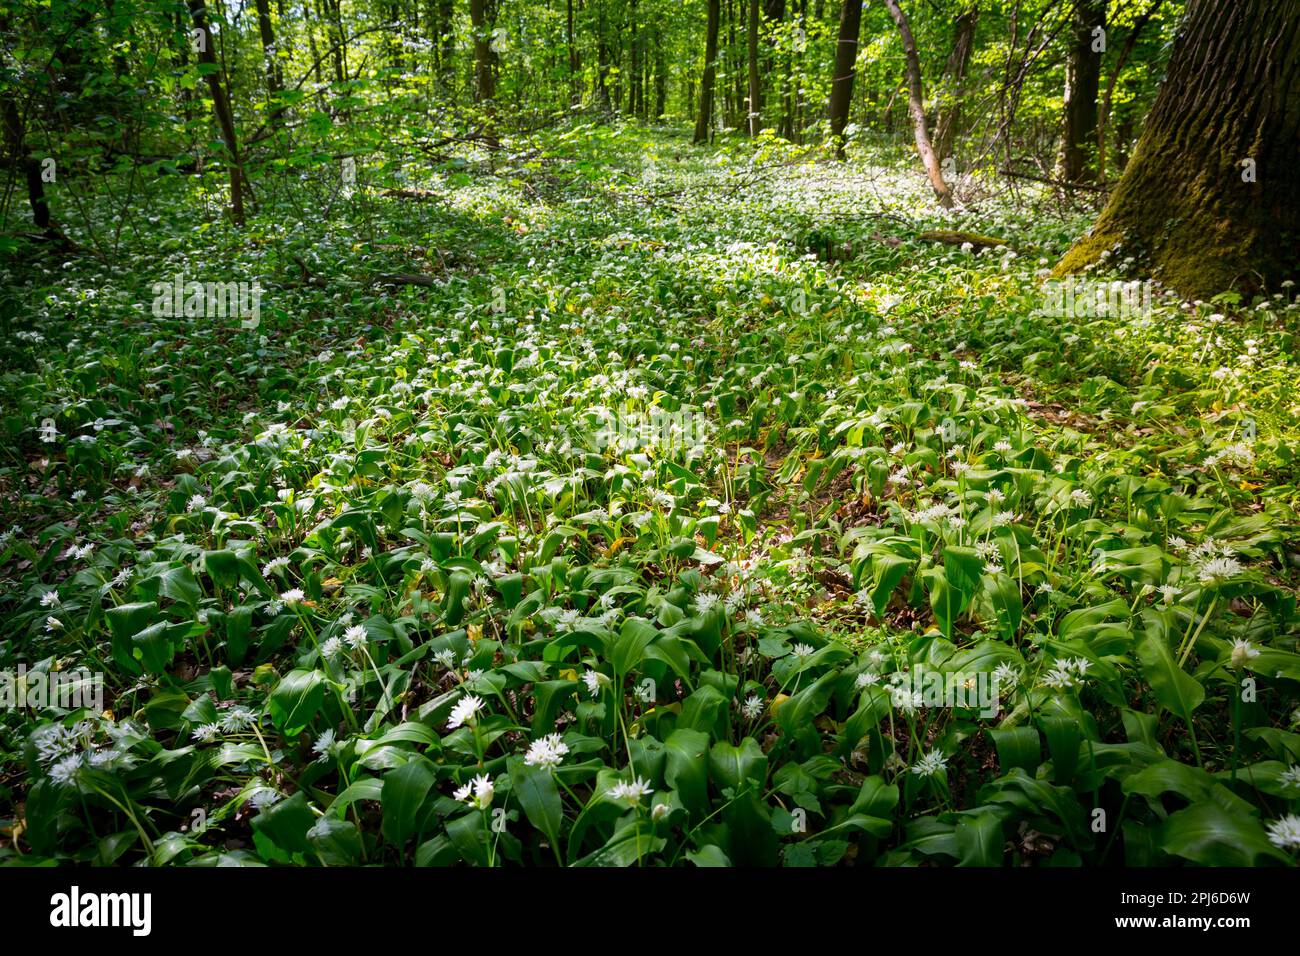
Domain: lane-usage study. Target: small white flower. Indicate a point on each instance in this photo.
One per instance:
(595, 681)
(752, 707)
(802, 650)
(53, 624)
(355, 636)
(465, 712)
(196, 503)
(64, 773)
(207, 733)
(1291, 777)
(50, 599)
(275, 564)
(331, 647)
(930, 764)
(1004, 673)
(237, 719)
(293, 596)
(1285, 833)
(546, 752)
(629, 792)
(1218, 569)
(478, 792)
(324, 742)
(1243, 651)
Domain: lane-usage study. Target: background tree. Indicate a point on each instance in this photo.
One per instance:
(1211, 198)
(1082, 80)
(846, 57)
(705, 117)
(916, 107)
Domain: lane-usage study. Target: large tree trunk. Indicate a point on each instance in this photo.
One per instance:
(705, 117)
(954, 79)
(221, 107)
(754, 119)
(846, 56)
(1082, 80)
(1211, 198)
(916, 108)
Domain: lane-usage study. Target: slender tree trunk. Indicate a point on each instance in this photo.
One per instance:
(271, 63)
(1082, 79)
(661, 73)
(634, 45)
(484, 78)
(755, 121)
(916, 108)
(846, 56)
(705, 118)
(445, 37)
(575, 92)
(1211, 200)
(20, 155)
(221, 107)
(945, 125)
(1103, 116)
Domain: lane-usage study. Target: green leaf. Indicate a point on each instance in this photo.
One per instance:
(538, 795)
(1206, 833)
(979, 840)
(336, 842)
(1017, 747)
(1175, 690)
(730, 766)
(296, 699)
(685, 768)
(627, 650)
(280, 830)
(403, 794)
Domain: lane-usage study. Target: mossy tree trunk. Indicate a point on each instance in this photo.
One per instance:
(1211, 198)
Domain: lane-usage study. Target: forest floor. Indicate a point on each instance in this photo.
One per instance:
(666, 450)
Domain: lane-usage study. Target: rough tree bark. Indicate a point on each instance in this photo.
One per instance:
(916, 108)
(710, 71)
(1211, 199)
(221, 107)
(846, 56)
(954, 79)
(1082, 80)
